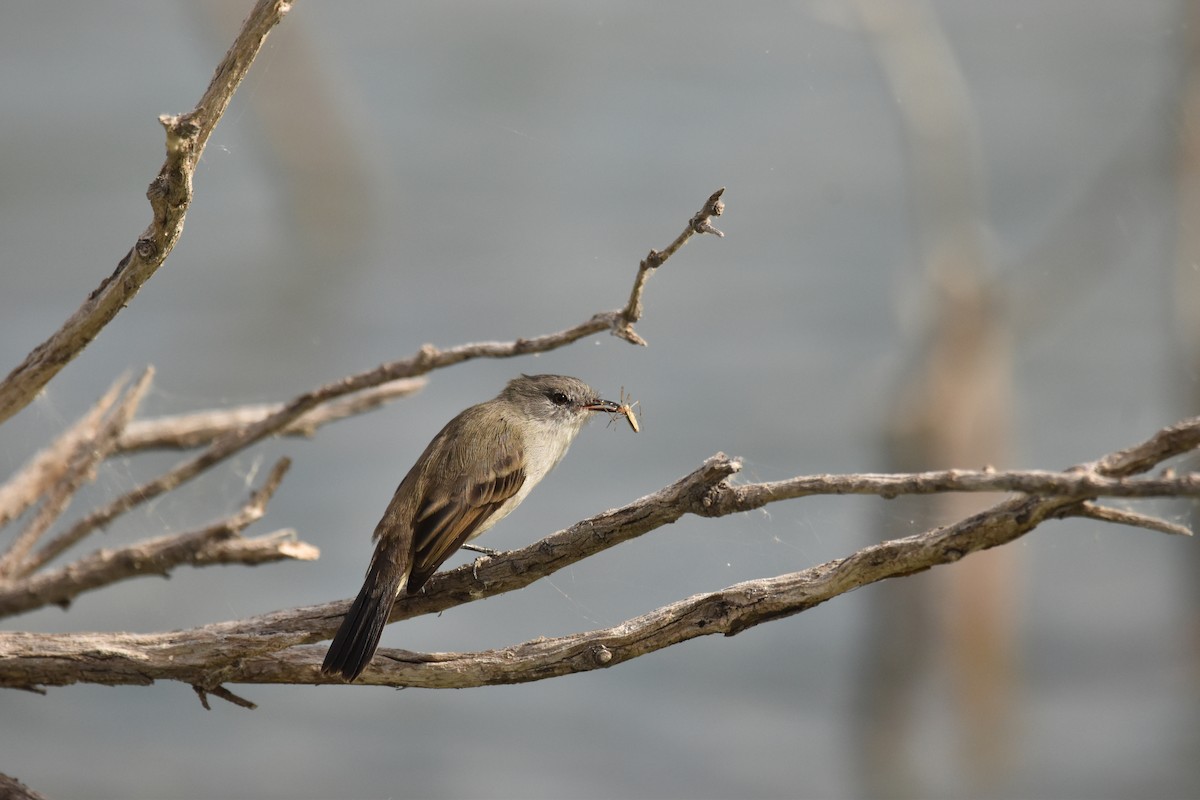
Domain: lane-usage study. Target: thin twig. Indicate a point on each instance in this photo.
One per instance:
(1125, 517)
(701, 222)
(186, 431)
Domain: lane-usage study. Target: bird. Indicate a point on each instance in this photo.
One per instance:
(477, 469)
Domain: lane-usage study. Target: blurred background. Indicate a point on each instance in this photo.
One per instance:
(958, 233)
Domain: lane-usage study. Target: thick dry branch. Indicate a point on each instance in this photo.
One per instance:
(218, 543)
(427, 359)
(185, 431)
(728, 612)
(273, 648)
(170, 194)
(213, 655)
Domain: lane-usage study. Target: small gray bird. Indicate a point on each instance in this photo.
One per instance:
(474, 472)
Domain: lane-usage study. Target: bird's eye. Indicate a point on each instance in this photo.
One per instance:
(559, 399)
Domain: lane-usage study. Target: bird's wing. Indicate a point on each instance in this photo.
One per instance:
(445, 521)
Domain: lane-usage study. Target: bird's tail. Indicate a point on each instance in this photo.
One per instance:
(356, 639)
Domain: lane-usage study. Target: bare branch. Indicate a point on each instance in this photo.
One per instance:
(219, 543)
(170, 195)
(1130, 518)
(81, 465)
(185, 431)
(426, 360)
(212, 654)
(1076, 483)
(1166, 443)
(728, 612)
(48, 466)
(701, 222)
(272, 648)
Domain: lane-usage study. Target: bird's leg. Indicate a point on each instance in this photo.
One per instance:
(485, 552)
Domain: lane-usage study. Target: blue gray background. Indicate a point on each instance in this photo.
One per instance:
(395, 174)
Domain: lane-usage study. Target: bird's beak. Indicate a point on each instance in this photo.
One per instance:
(602, 405)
